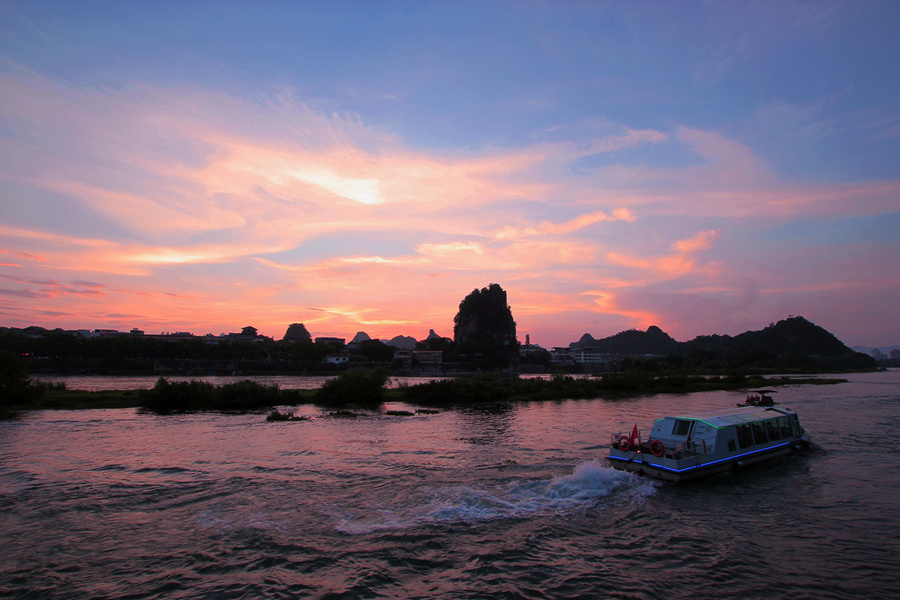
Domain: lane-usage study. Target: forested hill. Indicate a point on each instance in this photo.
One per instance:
(652, 341)
(792, 337)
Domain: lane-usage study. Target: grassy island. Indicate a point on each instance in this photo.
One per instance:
(368, 390)
(612, 386)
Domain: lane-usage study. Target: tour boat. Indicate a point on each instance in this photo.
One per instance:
(690, 446)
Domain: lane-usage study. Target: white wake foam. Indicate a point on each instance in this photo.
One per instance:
(586, 487)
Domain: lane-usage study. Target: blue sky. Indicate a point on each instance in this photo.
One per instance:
(707, 167)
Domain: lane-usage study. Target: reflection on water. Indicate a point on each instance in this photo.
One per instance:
(511, 503)
(486, 425)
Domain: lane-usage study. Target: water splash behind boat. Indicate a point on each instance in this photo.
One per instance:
(587, 486)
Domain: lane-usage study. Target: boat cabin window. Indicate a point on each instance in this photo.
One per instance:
(731, 446)
(681, 427)
(773, 430)
(785, 426)
(759, 433)
(745, 438)
(795, 424)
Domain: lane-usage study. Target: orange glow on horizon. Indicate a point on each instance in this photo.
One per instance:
(273, 213)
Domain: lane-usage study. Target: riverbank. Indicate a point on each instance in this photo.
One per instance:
(446, 392)
(612, 386)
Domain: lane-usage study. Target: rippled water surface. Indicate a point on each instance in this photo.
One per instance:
(512, 502)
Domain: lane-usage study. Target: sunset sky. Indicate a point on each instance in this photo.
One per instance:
(707, 167)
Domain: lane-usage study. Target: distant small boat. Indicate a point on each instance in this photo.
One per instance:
(759, 398)
(690, 446)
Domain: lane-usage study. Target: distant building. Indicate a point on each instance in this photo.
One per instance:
(105, 332)
(894, 354)
(425, 361)
(561, 356)
(337, 359)
(428, 357)
(529, 348)
(594, 358)
(247, 334)
(404, 356)
(331, 340)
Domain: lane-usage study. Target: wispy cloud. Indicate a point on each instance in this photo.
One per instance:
(580, 222)
(204, 209)
(48, 288)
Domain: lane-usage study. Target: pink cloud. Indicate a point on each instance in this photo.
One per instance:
(24, 256)
(678, 263)
(224, 205)
(580, 222)
(701, 241)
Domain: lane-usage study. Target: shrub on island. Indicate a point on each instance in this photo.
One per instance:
(479, 389)
(190, 396)
(16, 387)
(356, 388)
(284, 416)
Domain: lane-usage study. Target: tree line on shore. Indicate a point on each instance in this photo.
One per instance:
(59, 352)
(366, 390)
(484, 340)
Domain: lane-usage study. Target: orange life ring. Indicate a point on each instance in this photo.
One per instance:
(624, 443)
(657, 449)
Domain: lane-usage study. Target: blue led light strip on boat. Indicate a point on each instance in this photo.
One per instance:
(706, 464)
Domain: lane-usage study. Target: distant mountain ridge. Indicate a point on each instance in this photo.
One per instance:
(652, 341)
(361, 336)
(871, 350)
(403, 342)
(791, 336)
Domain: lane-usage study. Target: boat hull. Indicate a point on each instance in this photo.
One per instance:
(677, 470)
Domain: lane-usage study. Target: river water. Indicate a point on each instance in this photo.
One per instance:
(511, 502)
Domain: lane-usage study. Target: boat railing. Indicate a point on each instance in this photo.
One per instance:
(691, 449)
(634, 445)
(678, 450)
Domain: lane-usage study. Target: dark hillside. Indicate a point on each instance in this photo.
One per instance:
(791, 344)
(794, 335)
(652, 341)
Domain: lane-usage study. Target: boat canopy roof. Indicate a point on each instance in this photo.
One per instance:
(736, 416)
